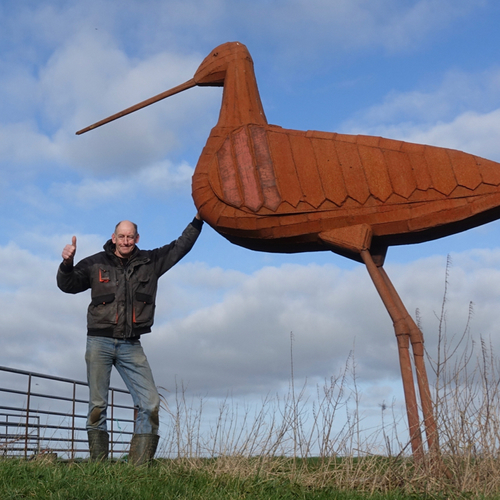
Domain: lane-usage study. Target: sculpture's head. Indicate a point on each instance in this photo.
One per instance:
(212, 70)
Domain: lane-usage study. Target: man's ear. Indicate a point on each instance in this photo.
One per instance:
(113, 238)
(137, 238)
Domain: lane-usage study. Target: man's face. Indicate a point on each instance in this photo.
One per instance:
(125, 239)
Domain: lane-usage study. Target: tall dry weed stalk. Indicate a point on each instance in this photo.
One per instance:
(467, 402)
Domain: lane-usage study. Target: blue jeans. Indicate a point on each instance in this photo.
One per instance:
(129, 359)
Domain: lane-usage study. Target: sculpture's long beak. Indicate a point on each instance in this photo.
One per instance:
(184, 86)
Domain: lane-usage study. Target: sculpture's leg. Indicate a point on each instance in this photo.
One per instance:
(402, 331)
(417, 342)
(358, 239)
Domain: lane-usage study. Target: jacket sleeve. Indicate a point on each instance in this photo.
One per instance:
(168, 255)
(73, 279)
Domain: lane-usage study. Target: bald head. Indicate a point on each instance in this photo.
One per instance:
(126, 223)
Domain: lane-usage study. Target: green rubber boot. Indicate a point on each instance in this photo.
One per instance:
(142, 448)
(98, 444)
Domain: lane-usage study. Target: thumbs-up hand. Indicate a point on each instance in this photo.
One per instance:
(69, 251)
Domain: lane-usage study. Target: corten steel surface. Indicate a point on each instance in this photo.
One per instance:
(278, 190)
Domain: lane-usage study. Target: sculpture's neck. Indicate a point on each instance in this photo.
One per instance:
(240, 100)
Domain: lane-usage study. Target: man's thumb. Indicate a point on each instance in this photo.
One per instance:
(73, 241)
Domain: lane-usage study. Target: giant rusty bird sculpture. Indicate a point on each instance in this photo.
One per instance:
(278, 190)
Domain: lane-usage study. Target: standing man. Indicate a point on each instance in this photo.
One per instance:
(123, 281)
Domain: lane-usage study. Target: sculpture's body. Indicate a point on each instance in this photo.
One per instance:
(272, 189)
(268, 188)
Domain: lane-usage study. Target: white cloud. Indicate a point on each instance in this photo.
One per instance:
(157, 179)
(461, 113)
(164, 177)
(329, 28)
(110, 82)
(242, 342)
(471, 132)
(93, 190)
(86, 79)
(22, 143)
(38, 331)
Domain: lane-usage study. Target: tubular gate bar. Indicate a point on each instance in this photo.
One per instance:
(41, 414)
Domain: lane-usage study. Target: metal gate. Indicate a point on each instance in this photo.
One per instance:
(43, 415)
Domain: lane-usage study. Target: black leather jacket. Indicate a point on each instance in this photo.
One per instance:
(124, 295)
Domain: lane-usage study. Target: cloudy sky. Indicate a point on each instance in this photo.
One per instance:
(425, 71)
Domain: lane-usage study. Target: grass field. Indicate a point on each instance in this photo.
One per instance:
(279, 479)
